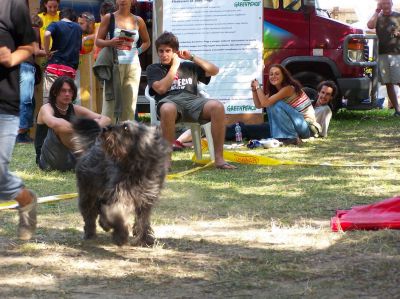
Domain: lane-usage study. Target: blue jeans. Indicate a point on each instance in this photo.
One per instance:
(10, 185)
(286, 122)
(27, 86)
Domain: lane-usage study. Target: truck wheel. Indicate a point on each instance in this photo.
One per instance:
(311, 93)
(336, 104)
(309, 79)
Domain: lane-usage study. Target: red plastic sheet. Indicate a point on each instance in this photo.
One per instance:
(380, 215)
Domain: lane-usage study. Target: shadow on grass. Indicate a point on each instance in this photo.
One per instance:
(356, 265)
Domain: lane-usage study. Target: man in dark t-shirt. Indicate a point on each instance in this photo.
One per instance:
(387, 25)
(174, 84)
(16, 45)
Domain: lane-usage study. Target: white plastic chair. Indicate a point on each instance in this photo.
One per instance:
(194, 127)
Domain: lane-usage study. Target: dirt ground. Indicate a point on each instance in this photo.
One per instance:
(225, 258)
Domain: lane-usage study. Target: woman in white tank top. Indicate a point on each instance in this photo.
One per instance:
(127, 30)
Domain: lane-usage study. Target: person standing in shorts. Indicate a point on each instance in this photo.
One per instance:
(387, 25)
(63, 55)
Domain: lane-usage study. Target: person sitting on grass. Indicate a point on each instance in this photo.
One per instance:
(326, 92)
(53, 143)
(175, 86)
(291, 116)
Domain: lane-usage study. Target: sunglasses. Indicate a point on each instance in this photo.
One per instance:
(87, 17)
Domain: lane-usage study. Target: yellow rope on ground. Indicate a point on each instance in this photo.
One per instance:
(12, 204)
(237, 157)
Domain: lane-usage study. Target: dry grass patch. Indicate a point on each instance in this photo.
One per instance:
(256, 232)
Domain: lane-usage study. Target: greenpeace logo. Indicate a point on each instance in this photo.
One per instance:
(243, 108)
(246, 3)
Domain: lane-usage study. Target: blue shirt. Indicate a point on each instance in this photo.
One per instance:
(67, 41)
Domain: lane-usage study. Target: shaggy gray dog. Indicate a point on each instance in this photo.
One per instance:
(120, 171)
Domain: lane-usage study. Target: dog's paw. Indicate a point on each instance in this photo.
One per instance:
(120, 238)
(89, 236)
(144, 241)
(104, 224)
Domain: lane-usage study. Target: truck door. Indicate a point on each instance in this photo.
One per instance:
(286, 30)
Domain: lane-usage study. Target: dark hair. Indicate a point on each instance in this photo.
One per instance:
(328, 83)
(69, 14)
(36, 21)
(287, 80)
(56, 88)
(106, 7)
(43, 8)
(167, 39)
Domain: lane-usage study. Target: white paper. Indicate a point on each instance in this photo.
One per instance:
(227, 33)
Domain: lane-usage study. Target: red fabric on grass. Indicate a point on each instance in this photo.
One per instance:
(380, 215)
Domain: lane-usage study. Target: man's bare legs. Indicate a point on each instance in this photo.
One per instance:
(393, 96)
(214, 111)
(168, 115)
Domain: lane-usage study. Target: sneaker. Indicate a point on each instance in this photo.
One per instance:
(177, 146)
(27, 216)
(24, 138)
(313, 130)
(396, 114)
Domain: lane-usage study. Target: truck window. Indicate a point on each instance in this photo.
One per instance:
(294, 5)
(271, 4)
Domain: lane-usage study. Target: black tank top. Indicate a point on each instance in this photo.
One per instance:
(41, 129)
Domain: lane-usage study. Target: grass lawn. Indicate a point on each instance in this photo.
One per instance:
(255, 232)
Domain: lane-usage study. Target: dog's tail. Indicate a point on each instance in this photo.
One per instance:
(85, 133)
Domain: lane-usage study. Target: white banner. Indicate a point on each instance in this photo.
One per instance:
(227, 33)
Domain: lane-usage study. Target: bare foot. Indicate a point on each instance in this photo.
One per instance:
(225, 165)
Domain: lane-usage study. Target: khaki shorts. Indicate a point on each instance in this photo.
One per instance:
(48, 80)
(389, 68)
(189, 106)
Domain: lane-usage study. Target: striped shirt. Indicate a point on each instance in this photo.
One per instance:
(302, 103)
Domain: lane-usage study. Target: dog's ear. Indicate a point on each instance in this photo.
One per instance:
(114, 143)
(85, 133)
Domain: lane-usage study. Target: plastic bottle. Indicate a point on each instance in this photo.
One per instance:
(238, 133)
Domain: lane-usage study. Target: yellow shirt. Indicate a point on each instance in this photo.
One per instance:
(47, 20)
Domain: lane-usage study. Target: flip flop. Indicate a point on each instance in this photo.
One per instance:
(225, 166)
